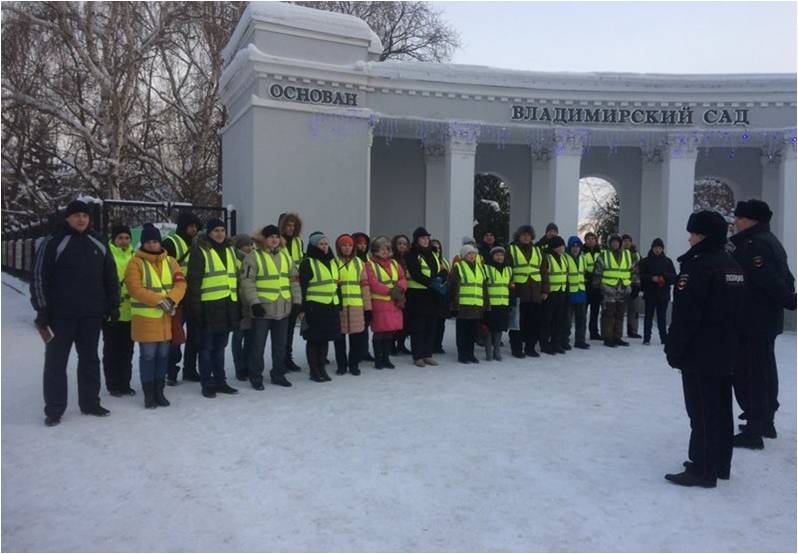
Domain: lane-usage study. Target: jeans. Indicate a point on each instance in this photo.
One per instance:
(211, 348)
(153, 361)
(662, 309)
(117, 355)
(260, 332)
(576, 313)
(241, 346)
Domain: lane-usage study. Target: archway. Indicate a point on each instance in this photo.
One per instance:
(714, 193)
(599, 207)
(491, 207)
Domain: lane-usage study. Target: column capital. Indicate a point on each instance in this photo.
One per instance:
(770, 158)
(651, 157)
(462, 137)
(568, 143)
(434, 150)
(540, 156)
(681, 146)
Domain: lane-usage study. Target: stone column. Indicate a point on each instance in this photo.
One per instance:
(436, 196)
(369, 144)
(786, 210)
(678, 190)
(459, 167)
(651, 199)
(541, 195)
(564, 171)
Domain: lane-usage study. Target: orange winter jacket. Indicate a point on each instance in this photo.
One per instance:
(148, 329)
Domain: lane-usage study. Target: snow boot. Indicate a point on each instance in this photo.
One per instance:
(748, 440)
(290, 365)
(386, 349)
(52, 421)
(278, 378)
(691, 467)
(160, 399)
(497, 346)
(150, 400)
(769, 432)
(688, 479)
(377, 344)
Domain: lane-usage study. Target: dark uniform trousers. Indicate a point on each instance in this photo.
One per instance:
(756, 380)
(84, 333)
(708, 400)
(594, 303)
(530, 317)
(554, 331)
(117, 355)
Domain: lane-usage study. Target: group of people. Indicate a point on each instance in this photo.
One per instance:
(181, 297)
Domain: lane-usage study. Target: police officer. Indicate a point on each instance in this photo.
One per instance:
(769, 288)
(702, 343)
(74, 288)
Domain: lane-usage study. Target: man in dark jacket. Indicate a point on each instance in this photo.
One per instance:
(657, 275)
(551, 231)
(425, 292)
(74, 287)
(212, 304)
(486, 244)
(702, 342)
(178, 246)
(769, 288)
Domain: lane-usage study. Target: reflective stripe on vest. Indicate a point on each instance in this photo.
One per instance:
(159, 285)
(590, 260)
(219, 281)
(523, 269)
(576, 273)
(323, 286)
(297, 249)
(270, 282)
(499, 285)
(122, 258)
(383, 277)
(471, 284)
(557, 273)
(614, 272)
(425, 270)
(350, 272)
(181, 252)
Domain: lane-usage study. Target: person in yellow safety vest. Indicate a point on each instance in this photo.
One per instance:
(592, 250)
(426, 292)
(243, 245)
(178, 246)
(551, 231)
(321, 303)
(269, 286)
(467, 289)
(290, 227)
(212, 304)
(554, 272)
(117, 343)
(471, 242)
(633, 302)
(156, 285)
(487, 242)
(525, 259)
(445, 311)
(362, 244)
(577, 293)
(499, 277)
(355, 304)
(613, 271)
(400, 246)
(387, 285)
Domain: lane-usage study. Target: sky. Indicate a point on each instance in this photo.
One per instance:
(638, 37)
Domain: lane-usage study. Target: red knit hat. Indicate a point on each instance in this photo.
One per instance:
(345, 239)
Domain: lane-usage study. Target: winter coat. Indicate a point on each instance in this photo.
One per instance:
(322, 322)
(150, 329)
(214, 316)
(423, 302)
(545, 287)
(590, 284)
(531, 290)
(656, 266)
(79, 282)
(288, 242)
(497, 318)
(769, 283)
(466, 312)
(386, 316)
(610, 295)
(707, 311)
(353, 317)
(247, 287)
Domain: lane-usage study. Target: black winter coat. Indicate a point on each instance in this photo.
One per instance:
(322, 321)
(656, 266)
(422, 302)
(707, 315)
(770, 286)
(214, 316)
(81, 281)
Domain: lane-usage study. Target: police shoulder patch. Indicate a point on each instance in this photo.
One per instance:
(681, 282)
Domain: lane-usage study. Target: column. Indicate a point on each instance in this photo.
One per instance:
(678, 189)
(651, 198)
(786, 210)
(459, 167)
(772, 191)
(555, 185)
(369, 144)
(541, 195)
(436, 199)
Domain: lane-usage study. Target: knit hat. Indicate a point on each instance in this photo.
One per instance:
(118, 229)
(150, 232)
(344, 239)
(524, 229)
(361, 238)
(496, 249)
(590, 234)
(468, 240)
(241, 240)
(708, 223)
(487, 232)
(627, 236)
(186, 218)
(316, 237)
(555, 242)
(420, 232)
(466, 250)
(573, 241)
(77, 207)
(657, 242)
(213, 223)
(270, 230)
(753, 209)
(552, 227)
(615, 236)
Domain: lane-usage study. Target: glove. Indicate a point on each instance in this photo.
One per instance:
(396, 294)
(41, 319)
(258, 310)
(296, 309)
(660, 280)
(112, 314)
(790, 303)
(367, 317)
(167, 305)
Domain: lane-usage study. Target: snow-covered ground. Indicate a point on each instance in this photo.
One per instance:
(556, 454)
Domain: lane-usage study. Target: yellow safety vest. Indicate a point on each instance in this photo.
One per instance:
(297, 249)
(499, 285)
(524, 269)
(350, 272)
(590, 260)
(614, 272)
(576, 273)
(444, 263)
(323, 286)
(122, 258)
(182, 252)
(557, 273)
(159, 285)
(425, 270)
(471, 283)
(383, 277)
(219, 281)
(270, 282)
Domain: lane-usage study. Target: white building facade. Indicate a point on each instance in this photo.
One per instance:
(317, 125)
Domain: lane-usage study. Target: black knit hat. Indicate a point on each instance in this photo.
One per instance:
(708, 223)
(420, 232)
(615, 236)
(150, 232)
(657, 242)
(552, 227)
(186, 218)
(627, 236)
(77, 207)
(555, 242)
(753, 209)
(590, 234)
(270, 230)
(213, 223)
(118, 229)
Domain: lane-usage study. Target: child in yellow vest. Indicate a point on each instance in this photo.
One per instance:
(467, 290)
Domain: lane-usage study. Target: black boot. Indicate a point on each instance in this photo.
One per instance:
(160, 399)
(690, 466)
(290, 365)
(150, 401)
(278, 378)
(748, 440)
(171, 375)
(386, 361)
(688, 479)
(769, 432)
(378, 356)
